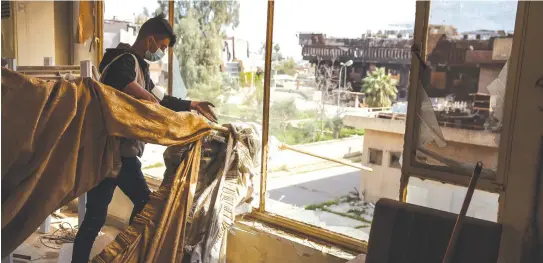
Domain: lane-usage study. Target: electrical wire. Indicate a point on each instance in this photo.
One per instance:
(60, 236)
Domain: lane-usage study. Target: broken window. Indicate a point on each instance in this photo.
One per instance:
(461, 90)
(328, 117)
(395, 160)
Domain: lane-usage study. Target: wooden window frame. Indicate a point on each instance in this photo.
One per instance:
(443, 174)
(422, 15)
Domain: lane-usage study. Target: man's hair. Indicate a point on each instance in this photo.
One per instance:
(157, 26)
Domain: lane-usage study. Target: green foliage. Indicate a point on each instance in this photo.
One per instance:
(380, 88)
(287, 66)
(199, 26)
(276, 53)
(283, 110)
(348, 132)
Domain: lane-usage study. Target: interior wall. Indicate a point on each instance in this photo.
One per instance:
(522, 236)
(8, 35)
(63, 32)
(35, 32)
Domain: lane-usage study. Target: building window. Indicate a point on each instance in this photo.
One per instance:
(376, 156)
(395, 160)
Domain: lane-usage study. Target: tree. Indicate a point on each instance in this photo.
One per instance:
(287, 67)
(379, 88)
(200, 28)
(326, 82)
(283, 111)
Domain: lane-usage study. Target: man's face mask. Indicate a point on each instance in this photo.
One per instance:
(154, 56)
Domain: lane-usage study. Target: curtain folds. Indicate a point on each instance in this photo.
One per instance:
(60, 139)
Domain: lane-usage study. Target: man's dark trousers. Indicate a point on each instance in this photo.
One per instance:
(131, 182)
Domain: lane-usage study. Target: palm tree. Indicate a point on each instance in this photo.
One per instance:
(379, 88)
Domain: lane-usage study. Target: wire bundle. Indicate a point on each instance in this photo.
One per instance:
(64, 234)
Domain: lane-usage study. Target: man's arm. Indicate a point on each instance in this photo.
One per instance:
(135, 90)
(177, 104)
(122, 76)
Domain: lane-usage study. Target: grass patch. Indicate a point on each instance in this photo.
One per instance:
(362, 226)
(322, 206)
(355, 217)
(355, 214)
(155, 165)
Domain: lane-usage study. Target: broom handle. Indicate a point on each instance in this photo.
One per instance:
(460, 220)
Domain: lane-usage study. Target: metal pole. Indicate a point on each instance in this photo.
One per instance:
(287, 147)
(339, 88)
(266, 108)
(460, 220)
(171, 19)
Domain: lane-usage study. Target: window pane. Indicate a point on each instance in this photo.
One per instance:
(362, 50)
(221, 57)
(447, 197)
(469, 44)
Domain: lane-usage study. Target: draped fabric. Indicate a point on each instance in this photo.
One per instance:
(173, 228)
(86, 20)
(60, 139)
(156, 234)
(224, 190)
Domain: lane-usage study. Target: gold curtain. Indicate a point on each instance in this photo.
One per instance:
(86, 21)
(60, 139)
(157, 233)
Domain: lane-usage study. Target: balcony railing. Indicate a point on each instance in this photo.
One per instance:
(364, 54)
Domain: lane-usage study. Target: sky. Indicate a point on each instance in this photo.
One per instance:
(340, 18)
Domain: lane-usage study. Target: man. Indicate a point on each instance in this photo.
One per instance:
(125, 69)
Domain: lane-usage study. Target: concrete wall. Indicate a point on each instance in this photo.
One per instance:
(63, 27)
(384, 181)
(471, 137)
(35, 32)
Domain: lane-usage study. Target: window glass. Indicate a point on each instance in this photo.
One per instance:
(336, 69)
(461, 113)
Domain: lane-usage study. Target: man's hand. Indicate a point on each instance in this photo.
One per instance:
(204, 108)
(135, 90)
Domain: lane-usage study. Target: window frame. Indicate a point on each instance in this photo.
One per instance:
(422, 15)
(442, 174)
(377, 152)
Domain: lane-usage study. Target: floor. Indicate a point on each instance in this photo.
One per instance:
(42, 250)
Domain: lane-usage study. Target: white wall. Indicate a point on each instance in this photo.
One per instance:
(384, 182)
(35, 32)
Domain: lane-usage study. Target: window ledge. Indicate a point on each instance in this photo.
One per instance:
(271, 244)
